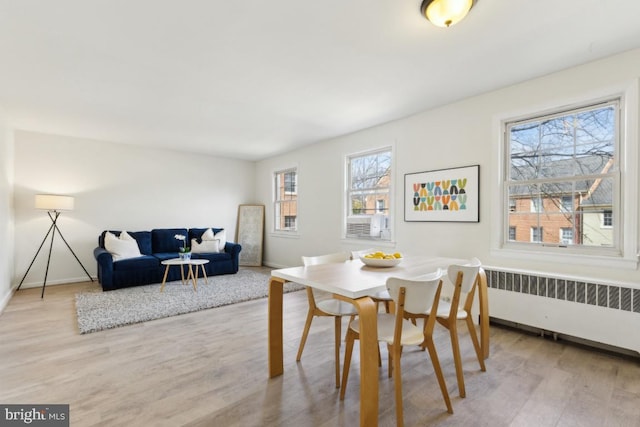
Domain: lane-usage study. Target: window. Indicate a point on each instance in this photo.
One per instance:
(566, 203)
(512, 233)
(368, 195)
(536, 234)
(566, 235)
(566, 164)
(607, 219)
(290, 222)
(286, 200)
(290, 182)
(536, 204)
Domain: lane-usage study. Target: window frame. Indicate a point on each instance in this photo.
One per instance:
(346, 211)
(626, 253)
(278, 201)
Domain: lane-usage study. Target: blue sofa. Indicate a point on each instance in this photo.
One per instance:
(156, 246)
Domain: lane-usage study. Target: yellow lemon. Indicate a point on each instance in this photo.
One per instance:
(397, 255)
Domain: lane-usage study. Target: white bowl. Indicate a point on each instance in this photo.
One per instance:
(376, 262)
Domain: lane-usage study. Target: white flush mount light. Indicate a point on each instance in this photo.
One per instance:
(445, 13)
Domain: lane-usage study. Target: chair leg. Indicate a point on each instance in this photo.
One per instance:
(338, 332)
(455, 345)
(305, 333)
(390, 361)
(351, 337)
(476, 343)
(397, 379)
(438, 370)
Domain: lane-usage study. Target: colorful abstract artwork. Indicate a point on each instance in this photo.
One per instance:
(443, 195)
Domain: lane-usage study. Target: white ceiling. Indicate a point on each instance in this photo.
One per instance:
(250, 79)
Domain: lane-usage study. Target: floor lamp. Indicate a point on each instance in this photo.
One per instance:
(53, 204)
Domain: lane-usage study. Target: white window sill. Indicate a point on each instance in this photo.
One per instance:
(285, 235)
(568, 258)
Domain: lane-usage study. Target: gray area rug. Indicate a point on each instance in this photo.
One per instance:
(97, 310)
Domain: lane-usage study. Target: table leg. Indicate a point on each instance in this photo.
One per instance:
(204, 274)
(276, 364)
(367, 311)
(182, 273)
(164, 279)
(484, 312)
(194, 277)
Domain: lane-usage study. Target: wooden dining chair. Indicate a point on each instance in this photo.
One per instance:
(464, 278)
(330, 307)
(412, 298)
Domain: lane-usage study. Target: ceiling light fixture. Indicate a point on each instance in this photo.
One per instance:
(445, 13)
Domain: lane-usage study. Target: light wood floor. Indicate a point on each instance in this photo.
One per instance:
(210, 369)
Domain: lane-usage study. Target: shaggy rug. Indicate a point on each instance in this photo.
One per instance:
(97, 310)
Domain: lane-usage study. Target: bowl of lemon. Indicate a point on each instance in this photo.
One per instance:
(381, 259)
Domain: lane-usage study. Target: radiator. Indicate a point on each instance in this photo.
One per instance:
(605, 313)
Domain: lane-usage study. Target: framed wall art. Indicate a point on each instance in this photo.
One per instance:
(249, 233)
(446, 195)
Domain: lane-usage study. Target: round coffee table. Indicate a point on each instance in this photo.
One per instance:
(191, 275)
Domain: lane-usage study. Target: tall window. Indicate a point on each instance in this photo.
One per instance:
(286, 200)
(566, 165)
(368, 195)
(536, 234)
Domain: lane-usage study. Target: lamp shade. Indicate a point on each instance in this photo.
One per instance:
(54, 202)
(445, 13)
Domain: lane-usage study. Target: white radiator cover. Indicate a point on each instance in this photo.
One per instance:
(594, 311)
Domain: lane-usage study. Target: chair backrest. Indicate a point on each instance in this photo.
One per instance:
(420, 291)
(325, 259)
(357, 254)
(469, 274)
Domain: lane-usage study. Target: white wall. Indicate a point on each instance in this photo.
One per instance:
(119, 187)
(458, 134)
(6, 215)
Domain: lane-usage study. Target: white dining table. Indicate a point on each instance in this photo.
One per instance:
(355, 282)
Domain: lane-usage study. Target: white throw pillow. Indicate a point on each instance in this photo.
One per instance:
(206, 247)
(220, 236)
(208, 235)
(121, 248)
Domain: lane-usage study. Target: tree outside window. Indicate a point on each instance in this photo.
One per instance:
(368, 195)
(564, 166)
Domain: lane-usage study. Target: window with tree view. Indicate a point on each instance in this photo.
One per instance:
(562, 178)
(368, 195)
(286, 200)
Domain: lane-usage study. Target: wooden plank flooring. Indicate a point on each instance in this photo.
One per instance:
(210, 369)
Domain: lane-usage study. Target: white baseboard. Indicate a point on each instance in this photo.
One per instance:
(5, 299)
(57, 282)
